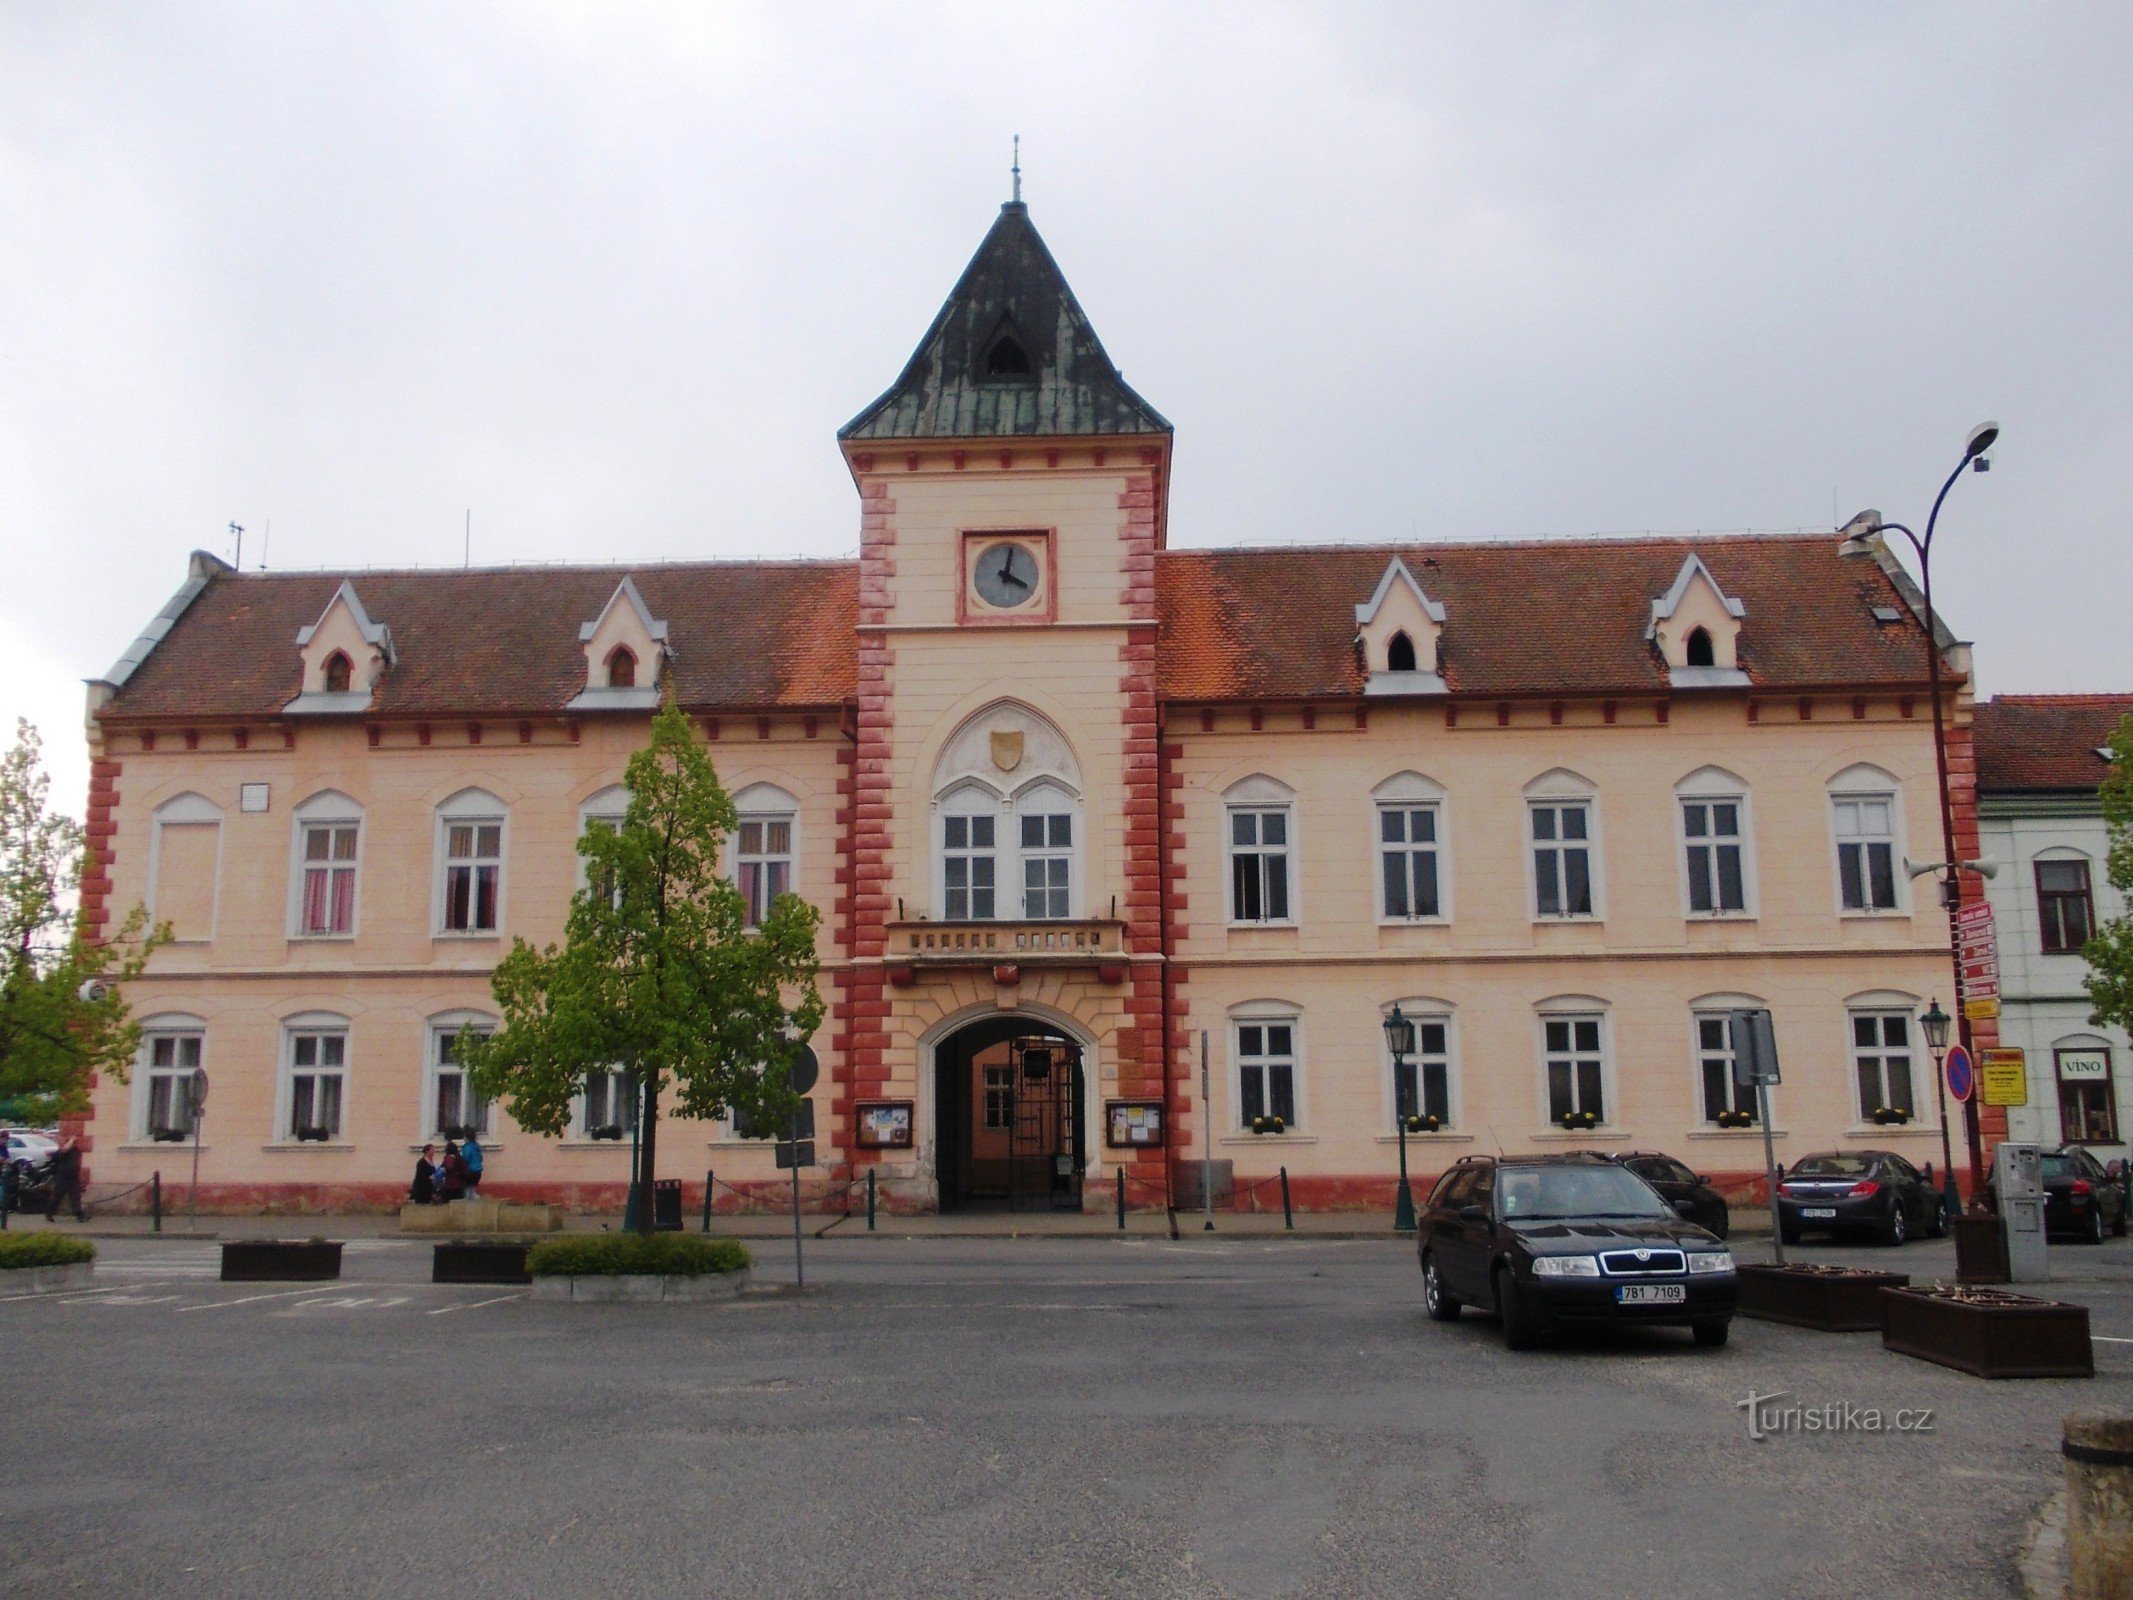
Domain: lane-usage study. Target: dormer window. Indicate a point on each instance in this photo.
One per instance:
(626, 651)
(339, 670)
(1400, 654)
(621, 668)
(1397, 631)
(1699, 649)
(343, 656)
(1695, 628)
(1007, 358)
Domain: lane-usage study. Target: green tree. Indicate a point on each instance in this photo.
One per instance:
(51, 1039)
(658, 973)
(2110, 953)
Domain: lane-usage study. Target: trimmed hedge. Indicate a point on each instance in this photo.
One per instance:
(664, 1255)
(43, 1250)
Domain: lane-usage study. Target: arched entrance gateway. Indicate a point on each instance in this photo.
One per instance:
(1009, 1095)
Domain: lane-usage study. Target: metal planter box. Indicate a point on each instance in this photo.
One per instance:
(1980, 1249)
(1988, 1332)
(280, 1260)
(479, 1261)
(1827, 1299)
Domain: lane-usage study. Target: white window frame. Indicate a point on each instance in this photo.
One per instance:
(329, 808)
(1005, 1088)
(971, 800)
(1424, 1012)
(581, 1108)
(1263, 1015)
(1574, 1009)
(1713, 786)
(443, 1029)
(1261, 796)
(311, 1024)
(1865, 783)
(609, 805)
(178, 1028)
(1555, 790)
(189, 810)
(477, 808)
(1717, 1008)
(1046, 798)
(1410, 792)
(1883, 1007)
(763, 806)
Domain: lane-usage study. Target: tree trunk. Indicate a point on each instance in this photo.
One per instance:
(648, 1122)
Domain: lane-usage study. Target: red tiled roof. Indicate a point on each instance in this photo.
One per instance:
(492, 641)
(2046, 741)
(1565, 616)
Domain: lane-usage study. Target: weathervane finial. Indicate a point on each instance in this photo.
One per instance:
(1016, 169)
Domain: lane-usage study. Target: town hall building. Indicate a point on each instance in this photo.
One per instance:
(1081, 811)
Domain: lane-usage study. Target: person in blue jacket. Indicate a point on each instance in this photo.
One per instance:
(470, 1157)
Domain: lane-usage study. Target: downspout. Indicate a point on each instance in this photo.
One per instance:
(1166, 945)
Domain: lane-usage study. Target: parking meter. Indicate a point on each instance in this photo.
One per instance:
(2018, 1180)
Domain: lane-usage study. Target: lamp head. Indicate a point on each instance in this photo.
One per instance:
(1981, 440)
(1935, 1023)
(1399, 1033)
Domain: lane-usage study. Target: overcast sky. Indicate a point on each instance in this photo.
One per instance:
(611, 276)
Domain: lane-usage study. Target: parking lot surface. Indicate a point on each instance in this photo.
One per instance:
(1216, 1416)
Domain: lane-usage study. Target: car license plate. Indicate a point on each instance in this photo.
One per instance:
(1651, 1294)
(1825, 1212)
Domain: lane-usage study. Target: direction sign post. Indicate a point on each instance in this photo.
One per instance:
(1755, 1060)
(800, 1075)
(196, 1094)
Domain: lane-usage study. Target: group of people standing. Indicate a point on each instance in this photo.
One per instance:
(456, 1177)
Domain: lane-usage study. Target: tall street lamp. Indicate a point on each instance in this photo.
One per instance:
(1400, 1040)
(1862, 538)
(1935, 1022)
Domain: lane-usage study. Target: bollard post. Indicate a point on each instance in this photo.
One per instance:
(2099, 1506)
(707, 1200)
(1121, 1199)
(155, 1200)
(870, 1199)
(1288, 1213)
(7, 1190)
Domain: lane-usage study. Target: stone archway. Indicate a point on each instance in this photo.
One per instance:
(1009, 1125)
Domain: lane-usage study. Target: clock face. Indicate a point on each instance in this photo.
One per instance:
(1006, 575)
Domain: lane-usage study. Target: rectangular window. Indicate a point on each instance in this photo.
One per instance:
(1714, 1064)
(172, 1060)
(329, 879)
(1713, 831)
(764, 862)
(1562, 859)
(1866, 851)
(2064, 910)
(459, 1109)
(1259, 864)
(999, 1099)
(2088, 1111)
(1047, 863)
(1881, 1058)
(473, 872)
(186, 856)
(967, 868)
(1422, 1084)
(1407, 858)
(1266, 1071)
(1576, 1068)
(611, 1101)
(318, 1067)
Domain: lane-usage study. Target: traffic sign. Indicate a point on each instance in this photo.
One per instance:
(1961, 1075)
(805, 1069)
(2003, 1074)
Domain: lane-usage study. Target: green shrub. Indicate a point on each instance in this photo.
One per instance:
(667, 1255)
(43, 1250)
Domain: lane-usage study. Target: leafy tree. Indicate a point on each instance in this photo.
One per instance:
(2110, 953)
(657, 973)
(51, 1039)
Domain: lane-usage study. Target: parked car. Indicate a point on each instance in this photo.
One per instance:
(1557, 1241)
(1675, 1183)
(1859, 1191)
(29, 1144)
(2080, 1197)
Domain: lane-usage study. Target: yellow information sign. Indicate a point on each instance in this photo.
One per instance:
(2003, 1075)
(1985, 1010)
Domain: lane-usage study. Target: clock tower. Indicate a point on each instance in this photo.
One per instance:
(1001, 893)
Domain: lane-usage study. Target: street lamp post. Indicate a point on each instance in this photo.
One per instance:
(1400, 1039)
(1935, 1022)
(1860, 534)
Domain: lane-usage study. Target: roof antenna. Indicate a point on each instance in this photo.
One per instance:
(265, 539)
(1016, 169)
(237, 555)
(466, 551)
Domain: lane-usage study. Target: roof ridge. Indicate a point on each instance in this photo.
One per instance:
(2091, 697)
(625, 567)
(1544, 542)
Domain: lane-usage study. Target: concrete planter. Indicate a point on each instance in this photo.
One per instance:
(1826, 1299)
(1989, 1333)
(479, 1261)
(479, 1216)
(47, 1280)
(280, 1260)
(1980, 1249)
(638, 1288)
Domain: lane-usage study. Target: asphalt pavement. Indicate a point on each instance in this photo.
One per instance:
(1225, 1416)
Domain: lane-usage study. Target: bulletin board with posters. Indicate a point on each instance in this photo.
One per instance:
(1133, 1124)
(884, 1124)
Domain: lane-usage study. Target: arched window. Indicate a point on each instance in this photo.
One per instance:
(1044, 831)
(451, 1108)
(184, 857)
(1576, 1075)
(1699, 648)
(1724, 1103)
(1867, 818)
(763, 846)
(1713, 805)
(470, 862)
(970, 846)
(329, 832)
(1562, 815)
(339, 670)
(621, 668)
(314, 1077)
(1260, 816)
(1007, 795)
(1412, 880)
(171, 1049)
(1400, 654)
(1266, 1053)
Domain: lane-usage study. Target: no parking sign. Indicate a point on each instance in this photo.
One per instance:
(1962, 1076)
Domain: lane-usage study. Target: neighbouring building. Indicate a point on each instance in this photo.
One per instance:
(1081, 811)
(2040, 760)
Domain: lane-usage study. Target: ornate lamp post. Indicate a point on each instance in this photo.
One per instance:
(1862, 538)
(1400, 1040)
(1935, 1022)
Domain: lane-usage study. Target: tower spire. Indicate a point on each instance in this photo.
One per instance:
(1016, 169)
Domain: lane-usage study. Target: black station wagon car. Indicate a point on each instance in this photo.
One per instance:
(1556, 1241)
